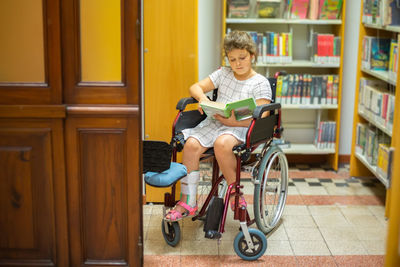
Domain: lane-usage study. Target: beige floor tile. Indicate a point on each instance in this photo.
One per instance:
(157, 209)
(192, 233)
(375, 247)
(203, 247)
(155, 220)
(311, 190)
(378, 211)
(338, 191)
(278, 233)
(279, 247)
(371, 233)
(315, 248)
(296, 210)
(147, 209)
(146, 220)
(363, 220)
(225, 247)
(331, 221)
(293, 190)
(338, 233)
(355, 210)
(346, 247)
(160, 247)
(154, 233)
(304, 234)
(290, 221)
(324, 210)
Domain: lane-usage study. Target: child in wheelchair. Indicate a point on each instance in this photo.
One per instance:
(239, 81)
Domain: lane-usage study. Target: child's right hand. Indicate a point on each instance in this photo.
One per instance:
(199, 107)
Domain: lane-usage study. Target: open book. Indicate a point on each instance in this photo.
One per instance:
(243, 108)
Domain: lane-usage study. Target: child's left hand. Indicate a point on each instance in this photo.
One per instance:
(231, 121)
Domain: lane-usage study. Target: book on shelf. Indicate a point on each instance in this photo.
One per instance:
(299, 9)
(273, 47)
(238, 8)
(375, 53)
(325, 135)
(313, 9)
(326, 48)
(368, 141)
(330, 9)
(383, 160)
(393, 60)
(376, 102)
(307, 89)
(269, 8)
(373, 11)
(243, 109)
(391, 12)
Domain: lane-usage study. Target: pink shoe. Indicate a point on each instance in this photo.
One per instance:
(175, 215)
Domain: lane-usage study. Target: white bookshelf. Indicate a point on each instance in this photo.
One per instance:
(380, 74)
(307, 149)
(373, 169)
(298, 64)
(292, 106)
(283, 21)
(374, 120)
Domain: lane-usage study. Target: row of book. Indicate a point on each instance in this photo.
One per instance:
(376, 102)
(373, 146)
(288, 9)
(393, 60)
(325, 135)
(381, 12)
(379, 53)
(273, 47)
(307, 89)
(326, 48)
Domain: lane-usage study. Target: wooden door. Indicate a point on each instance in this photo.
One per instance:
(33, 215)
(104, 186)
(170, 67)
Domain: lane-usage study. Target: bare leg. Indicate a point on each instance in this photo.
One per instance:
(225, 157)
(192, 152)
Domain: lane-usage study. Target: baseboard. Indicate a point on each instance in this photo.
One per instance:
(344, 159)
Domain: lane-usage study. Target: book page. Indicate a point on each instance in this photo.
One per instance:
(211, 108)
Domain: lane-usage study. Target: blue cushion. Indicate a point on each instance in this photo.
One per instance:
(166, 178)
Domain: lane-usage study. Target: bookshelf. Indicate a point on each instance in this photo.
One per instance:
(377, 122)
(301, 121)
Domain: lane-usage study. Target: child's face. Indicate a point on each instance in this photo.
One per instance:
(240, 61)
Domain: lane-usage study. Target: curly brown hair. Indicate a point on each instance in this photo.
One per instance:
(240, 40)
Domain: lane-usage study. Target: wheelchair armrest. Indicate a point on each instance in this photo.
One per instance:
(259, 110)
(183, 102)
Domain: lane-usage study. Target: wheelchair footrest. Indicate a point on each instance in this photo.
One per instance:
(166, 178)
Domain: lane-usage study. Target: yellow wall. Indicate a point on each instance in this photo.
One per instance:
(170, 67)
(100, 40)
(21, 45)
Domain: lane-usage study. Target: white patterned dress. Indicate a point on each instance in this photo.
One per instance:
(229, 89)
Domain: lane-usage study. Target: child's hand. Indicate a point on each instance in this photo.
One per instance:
(231, 121)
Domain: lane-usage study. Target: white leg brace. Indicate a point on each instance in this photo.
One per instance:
(189, 187)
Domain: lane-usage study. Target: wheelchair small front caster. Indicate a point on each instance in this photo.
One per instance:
(243, 249)
(171, 232)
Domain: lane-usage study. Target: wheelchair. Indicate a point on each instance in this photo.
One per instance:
(259, 155)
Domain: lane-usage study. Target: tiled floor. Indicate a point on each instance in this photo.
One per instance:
(330, 219)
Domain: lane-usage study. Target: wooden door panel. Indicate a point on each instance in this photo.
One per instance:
(104, 193)
(104, 186)
(28, 205)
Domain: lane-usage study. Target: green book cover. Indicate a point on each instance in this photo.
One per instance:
(243, 108)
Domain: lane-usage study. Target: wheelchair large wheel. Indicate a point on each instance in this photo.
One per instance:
(172, 234)
(270, 190)
(243, 250)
